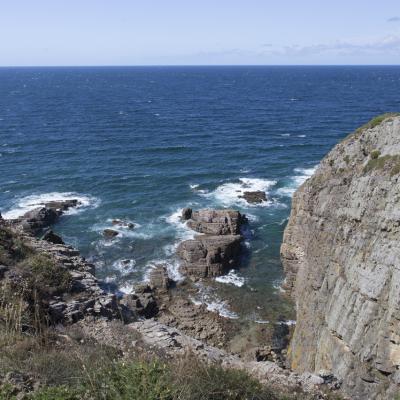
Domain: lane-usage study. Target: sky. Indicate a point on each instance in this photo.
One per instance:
(198, 32)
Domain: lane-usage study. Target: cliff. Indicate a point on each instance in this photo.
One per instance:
(341, 255)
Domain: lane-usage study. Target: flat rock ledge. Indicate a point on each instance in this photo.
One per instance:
(218, 249)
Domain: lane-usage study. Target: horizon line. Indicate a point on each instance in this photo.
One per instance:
(195, 65)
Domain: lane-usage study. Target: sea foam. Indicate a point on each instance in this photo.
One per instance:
(28, 203)
(301, 175)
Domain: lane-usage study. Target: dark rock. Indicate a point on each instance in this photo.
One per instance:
(3, 270)
(62, 205)
(110, 233)
(255, 197)
(186, 213)
(142, 302)
(216, 222)
(123, 224)
(208, 256)
(52, 237)
(159, 278)
(39, 218)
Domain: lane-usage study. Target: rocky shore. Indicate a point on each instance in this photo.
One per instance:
(159, 313)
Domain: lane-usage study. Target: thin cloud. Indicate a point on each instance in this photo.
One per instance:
(394, 19)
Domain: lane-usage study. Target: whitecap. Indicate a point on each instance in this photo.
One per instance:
(172, 267)
(124, 266)
(231, 278)
(285, 134)
(228, 193)
(301, 175)
(302, 136)
(183, 232)
(212, 302)
(127, 288)
(29, 203)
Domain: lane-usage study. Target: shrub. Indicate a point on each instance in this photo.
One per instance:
(375, 154)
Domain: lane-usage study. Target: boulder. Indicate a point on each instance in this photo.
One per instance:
(216, 222)
(109, 233)
(39, 218)
(62, 205)
(255, 197)
(52, 237)
(209, 255)
(186, 213)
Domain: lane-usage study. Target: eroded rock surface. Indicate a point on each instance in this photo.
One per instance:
(341, 255)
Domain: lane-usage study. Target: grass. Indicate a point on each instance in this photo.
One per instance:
(377, 162)
(374, 122)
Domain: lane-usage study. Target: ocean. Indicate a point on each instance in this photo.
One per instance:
(141, 143)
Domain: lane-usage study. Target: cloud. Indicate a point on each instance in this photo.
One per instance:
(382, 46)
(394, 19)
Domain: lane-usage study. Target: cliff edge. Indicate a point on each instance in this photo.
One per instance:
(341, 255)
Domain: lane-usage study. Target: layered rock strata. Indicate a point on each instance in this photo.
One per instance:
(218, 248)
(341, 255)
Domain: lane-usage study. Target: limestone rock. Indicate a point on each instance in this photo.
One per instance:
(341, 252)
(209, 255)
(216, 222)
(123, 224)
(159, 278)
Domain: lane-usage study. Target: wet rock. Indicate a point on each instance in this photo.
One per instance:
(216, 222)
(209, 256)
(159, 278)
(109, 233)
(186, 213)
(255, 197)
(39, 218)
(52, 237)
(62, 205)
(123, 224)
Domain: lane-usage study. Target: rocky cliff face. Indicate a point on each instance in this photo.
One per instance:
(341, 255)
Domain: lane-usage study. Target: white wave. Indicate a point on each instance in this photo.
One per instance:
(302, 136)
(127, 288)
(285, 134)
(228, 193)
(231, 278)
(194, 186)
(301, 175)
(212, 302)
(183, 232)
(29, 203)
(172, 267)
(125, 266)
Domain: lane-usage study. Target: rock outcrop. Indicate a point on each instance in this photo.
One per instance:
(341, 255)
(218, 249)
(256, 197)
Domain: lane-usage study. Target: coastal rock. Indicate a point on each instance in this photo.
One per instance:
(255, 197)
(209, 255)
(39, 218)
(186, 214)
(142, 302)
(341, 252)
(110, 233)
(159, 278)
(123, 224)
(52, 237)
(216, 222)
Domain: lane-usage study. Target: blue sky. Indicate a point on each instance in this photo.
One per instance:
(156, 32)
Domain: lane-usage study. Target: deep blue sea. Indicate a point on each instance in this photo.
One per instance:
(140, 143)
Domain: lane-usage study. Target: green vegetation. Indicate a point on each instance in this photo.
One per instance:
(391, 162)
(374, 122)
(346, 159)
(375, 154)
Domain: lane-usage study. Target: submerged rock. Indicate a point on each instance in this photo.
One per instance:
(110, 233)
(123, 224)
